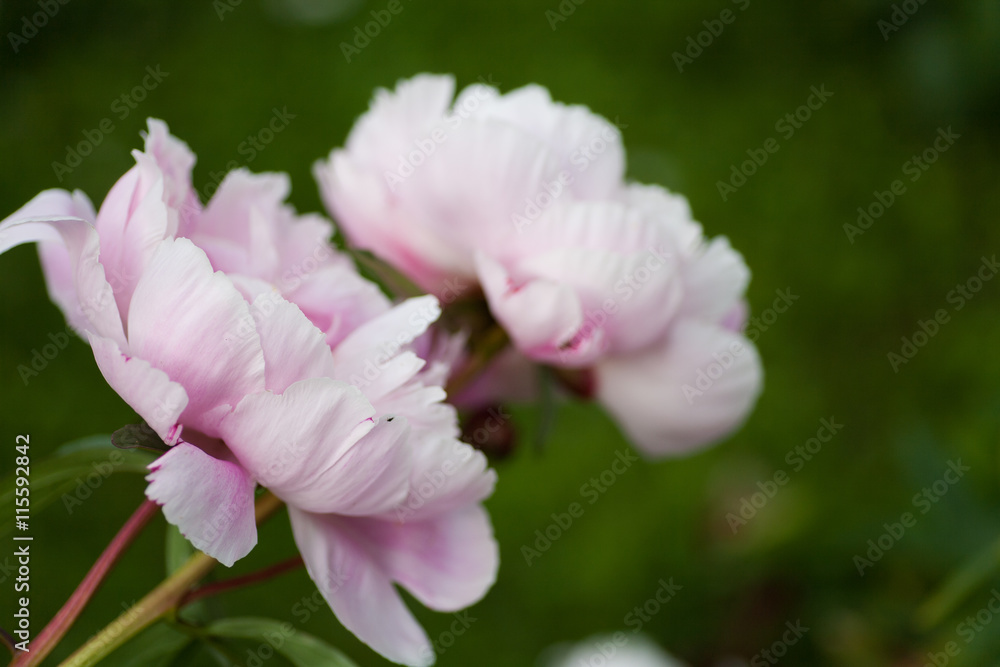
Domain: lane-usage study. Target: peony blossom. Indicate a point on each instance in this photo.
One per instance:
(618, 650)
(523, 201)
(257, 353)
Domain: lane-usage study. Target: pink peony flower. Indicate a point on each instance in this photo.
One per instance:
(525, 199)
(257, 353)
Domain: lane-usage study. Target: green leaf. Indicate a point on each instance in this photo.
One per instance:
(386, 275)
(87, 462)
(301, 649)
(138, 436)
(156, 646)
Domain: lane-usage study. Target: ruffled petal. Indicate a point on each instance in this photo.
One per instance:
(148, 390)
(338, 556)
(92, 308)
(175, 161)
(446, 475)
(194, 324)
(687, 393)
(294, 349)
(588, 146)
(448, 562)
(133, 219)
(317, 446)
(629, 298)
(210, 500)
(541, 317)
(715, 282)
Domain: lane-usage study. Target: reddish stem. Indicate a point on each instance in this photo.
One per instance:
(47, 639)
(238, 582)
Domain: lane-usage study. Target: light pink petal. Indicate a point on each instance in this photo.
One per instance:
(588, 146)
(446, 475)
(376, 355)
(194, 324)
(715, 282)
(369, 213)
(175, 160)
(294, 349)
(631, 298)
(610, 226)
(92, 307)
(57, 264)
(541, 317)
(148, 390)
(335, 298)
(338, 556)
(209, 499)
(391, 332)
(467, 193)
(696, 388)
(317, 446)
(670, 211)
(448, 562)
(397, 117)
(239, 228)
(133, 219)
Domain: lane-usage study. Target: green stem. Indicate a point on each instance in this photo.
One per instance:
(161, 601)
(239, 582)
(64, 618)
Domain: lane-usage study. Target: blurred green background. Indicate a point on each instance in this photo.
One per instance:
(794, 560)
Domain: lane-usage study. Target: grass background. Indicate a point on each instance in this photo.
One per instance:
(827, 356)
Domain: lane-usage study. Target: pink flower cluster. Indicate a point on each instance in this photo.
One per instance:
(526, 200)
(259, 355)
(242, 338)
